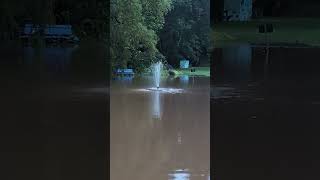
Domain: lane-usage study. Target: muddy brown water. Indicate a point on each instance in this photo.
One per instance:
(55, 111)
(160, 135)
(265, 118)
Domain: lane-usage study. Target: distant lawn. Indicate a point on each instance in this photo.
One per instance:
(199, 71)
(287, 30)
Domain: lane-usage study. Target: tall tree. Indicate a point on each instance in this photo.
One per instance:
(134, 26)
(186, 31)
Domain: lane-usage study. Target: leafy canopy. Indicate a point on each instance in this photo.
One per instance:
(134, 26)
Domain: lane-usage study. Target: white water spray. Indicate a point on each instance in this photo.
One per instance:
(156, 69)
(157, 73)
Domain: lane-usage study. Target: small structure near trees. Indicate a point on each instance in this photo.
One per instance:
(184, 64)
(237, 10)
(51, 33)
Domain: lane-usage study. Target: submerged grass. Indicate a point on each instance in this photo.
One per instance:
(287, 30)
(199, 71)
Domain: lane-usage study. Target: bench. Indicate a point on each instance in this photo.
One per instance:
(124, 72)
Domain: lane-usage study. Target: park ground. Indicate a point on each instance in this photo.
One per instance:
(287, 30)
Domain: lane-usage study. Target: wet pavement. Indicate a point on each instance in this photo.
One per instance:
(160, 134)
(265, 113)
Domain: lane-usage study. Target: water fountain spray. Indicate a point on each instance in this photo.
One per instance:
(157, 68)
(157, 73)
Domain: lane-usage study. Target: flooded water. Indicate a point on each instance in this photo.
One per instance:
(54, 112)
(265, 113)
(160, 135)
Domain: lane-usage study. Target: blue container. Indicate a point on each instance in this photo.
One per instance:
(184, 64)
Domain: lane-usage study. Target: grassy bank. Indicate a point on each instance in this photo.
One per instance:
(199, 71)
(287, 30)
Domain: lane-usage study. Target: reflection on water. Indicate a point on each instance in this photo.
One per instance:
(179, 175)
(124, 79)
(56, 58)
(184, 79)
(185, 174)
(234, 62)
(160, 135)
(156, 105)
(237, 61)
(163, 90)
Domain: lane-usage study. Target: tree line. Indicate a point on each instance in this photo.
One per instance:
(146, 31)
(141, 31)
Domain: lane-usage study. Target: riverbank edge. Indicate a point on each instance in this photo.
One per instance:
(198, 71)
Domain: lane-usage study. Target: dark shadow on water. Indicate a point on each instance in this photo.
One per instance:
(53, 119)
(265, 113)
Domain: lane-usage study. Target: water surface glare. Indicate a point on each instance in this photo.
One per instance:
(163, 90)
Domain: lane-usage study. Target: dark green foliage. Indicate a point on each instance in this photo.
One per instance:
(140, 33)
(134, 27)
(186, 31)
